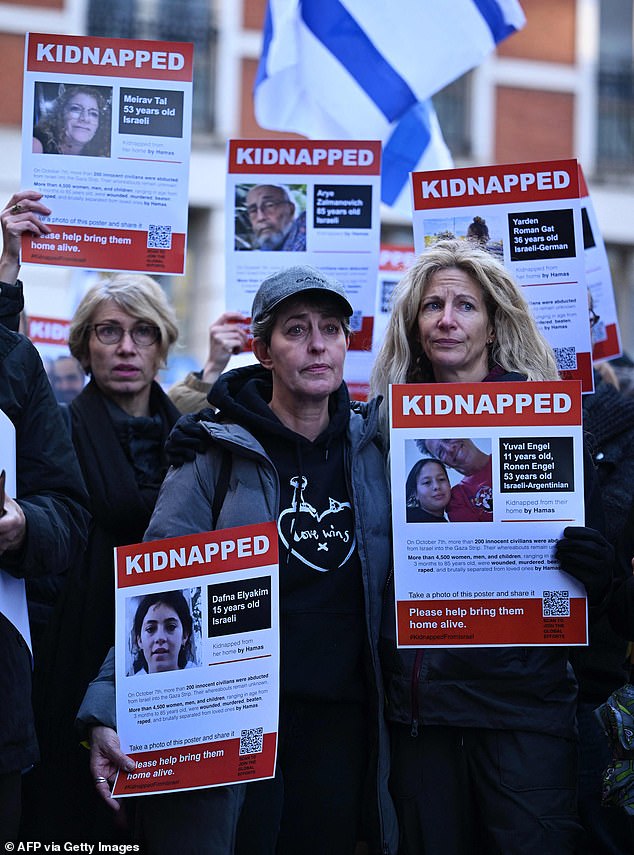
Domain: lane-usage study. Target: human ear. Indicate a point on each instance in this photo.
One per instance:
(261, 351)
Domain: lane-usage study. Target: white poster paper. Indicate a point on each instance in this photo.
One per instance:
(106, 127)
(485, 477)
(528, 215)
(305, 202)
(197, 659)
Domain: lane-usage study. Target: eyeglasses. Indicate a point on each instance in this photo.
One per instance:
(266, 207)
(78, 112)
(143, 335)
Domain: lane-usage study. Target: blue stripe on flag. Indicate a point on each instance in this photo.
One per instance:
(494, 17)
(338, 31)
(403, 150)
(267, 35)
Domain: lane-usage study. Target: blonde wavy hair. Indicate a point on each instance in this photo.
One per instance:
(138, 295)
(518, 344)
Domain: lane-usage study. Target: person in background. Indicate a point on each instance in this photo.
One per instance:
(485, 737)
(67, 378)
(601, 668)
(621, 609)
(227, 337)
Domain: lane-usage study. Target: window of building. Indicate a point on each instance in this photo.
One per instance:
(167, 20)
(453, 110)
(615, 143)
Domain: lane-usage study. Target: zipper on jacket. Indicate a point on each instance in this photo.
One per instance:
(414, 688)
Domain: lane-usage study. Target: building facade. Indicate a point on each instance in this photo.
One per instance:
(562, 87)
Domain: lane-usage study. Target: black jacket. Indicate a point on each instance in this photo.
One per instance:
(11, 304)
(621, 610)
(608, 421)
(51, 493)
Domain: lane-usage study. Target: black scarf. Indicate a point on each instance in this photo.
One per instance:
(82, 628)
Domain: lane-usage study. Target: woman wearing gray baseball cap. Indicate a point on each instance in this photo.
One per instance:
(299, 455)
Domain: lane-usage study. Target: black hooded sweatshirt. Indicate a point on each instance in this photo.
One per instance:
(322, 625)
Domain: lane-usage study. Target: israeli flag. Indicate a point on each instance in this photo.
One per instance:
(366, 69)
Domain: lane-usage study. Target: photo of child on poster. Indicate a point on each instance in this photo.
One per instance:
(465, 466)
(164, 631)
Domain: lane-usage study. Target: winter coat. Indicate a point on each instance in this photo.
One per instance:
(608, 422)
(51, 493)
(253, 495)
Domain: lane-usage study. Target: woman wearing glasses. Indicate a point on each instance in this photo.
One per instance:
(78, 122)
(121, 333)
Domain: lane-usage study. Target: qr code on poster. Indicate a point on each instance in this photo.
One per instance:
(251, 740)
(566, 358)
(159, 237)
(356, 321)
(556, 604)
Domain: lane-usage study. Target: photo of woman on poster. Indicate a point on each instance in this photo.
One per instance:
(76, 121)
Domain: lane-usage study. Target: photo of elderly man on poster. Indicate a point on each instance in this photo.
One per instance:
(270, 217)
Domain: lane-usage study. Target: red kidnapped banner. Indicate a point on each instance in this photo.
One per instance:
(196, 555)
(494, 185)
(484, 404)
(305, 157)
(51, 54)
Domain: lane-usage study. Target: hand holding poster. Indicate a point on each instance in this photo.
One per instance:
(106, 129)
(495, 473)
(197, 659)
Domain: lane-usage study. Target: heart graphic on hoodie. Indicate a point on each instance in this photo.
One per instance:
(323, 541)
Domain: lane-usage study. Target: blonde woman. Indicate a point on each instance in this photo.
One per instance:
(484, 738)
